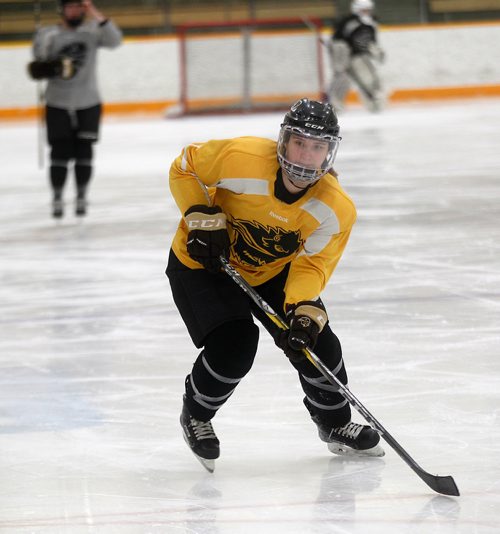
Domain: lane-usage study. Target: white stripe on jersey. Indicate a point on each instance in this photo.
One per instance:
(329, 226)
(321, 212)
(247, 186)
(184, 161)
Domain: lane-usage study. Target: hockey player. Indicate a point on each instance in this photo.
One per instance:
(277, 212)
(65, 55)
(356, 56)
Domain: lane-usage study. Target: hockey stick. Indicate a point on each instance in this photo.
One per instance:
(440, 484)
(326, 43)
(37, 16)
(310, 26)
(41, 125)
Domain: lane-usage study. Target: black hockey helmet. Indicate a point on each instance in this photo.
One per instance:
(317, 117)
(309, 119)
(62, 3)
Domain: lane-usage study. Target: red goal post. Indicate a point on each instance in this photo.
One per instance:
(249, 65)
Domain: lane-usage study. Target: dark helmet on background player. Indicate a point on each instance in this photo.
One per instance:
(309, 120)
(76, 19)
(62, 3)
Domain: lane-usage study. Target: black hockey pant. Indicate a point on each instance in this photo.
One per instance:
(70, 136)
(218, 316)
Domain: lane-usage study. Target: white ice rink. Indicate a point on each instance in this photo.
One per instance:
(93, 354)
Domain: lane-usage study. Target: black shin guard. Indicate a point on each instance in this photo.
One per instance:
(82, 176)
(83, 165)
(60, 155)
(322, 398)
(227, 357)
(58, 174)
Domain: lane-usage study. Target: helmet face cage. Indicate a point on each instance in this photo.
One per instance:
(313, 122)
(300, 174)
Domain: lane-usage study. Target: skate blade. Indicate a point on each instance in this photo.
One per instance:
(209, 465)
(344, 450)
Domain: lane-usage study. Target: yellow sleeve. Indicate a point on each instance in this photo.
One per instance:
(322, 250)
(195, 172)
(309, 274)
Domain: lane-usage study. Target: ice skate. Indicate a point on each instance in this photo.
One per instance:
(351, 439)
(57, 208)
(81, 206)
(200, 438)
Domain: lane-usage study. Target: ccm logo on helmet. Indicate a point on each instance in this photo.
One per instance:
(314, 126)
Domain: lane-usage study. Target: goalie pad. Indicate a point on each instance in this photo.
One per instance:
(62, 68)
(364, 73)
(340, 55)
(376, 52)
(338, 89)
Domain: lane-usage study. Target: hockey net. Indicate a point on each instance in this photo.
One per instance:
(249, 65)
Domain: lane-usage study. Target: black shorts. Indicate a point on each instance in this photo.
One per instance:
(206, 300)
(63, 124)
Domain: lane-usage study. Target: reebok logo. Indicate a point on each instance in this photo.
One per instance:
(279, 217)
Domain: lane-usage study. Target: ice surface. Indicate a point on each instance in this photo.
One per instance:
(93, 355)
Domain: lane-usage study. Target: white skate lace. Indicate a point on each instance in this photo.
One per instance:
(203, 430)
(351, 430)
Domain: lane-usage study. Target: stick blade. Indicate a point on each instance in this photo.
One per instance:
(444, 485)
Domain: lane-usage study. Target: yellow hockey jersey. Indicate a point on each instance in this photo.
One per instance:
(266, 233)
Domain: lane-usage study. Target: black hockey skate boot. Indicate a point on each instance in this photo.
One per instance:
(354, 439)
(201, 439)
(351, 439)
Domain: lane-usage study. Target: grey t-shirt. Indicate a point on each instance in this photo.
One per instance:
(80, 44)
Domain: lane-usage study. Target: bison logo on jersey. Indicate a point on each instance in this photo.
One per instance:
(255, 244)
(77, 52)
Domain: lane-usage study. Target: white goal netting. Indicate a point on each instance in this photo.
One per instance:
(249, 65)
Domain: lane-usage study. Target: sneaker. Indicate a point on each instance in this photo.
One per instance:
(57, 208)
(81, 206)
(200, 438)
(350, 439)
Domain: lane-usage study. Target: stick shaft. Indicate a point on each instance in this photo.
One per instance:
(440, 484)
(37, 17)
(310, 26)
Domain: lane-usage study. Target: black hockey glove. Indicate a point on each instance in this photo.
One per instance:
(207, 238)
(53, 68)
(306, 319)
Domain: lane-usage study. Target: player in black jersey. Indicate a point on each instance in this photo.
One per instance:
(356, 57)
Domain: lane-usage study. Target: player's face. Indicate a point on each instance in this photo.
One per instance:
(306, 152)
(73, 10)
